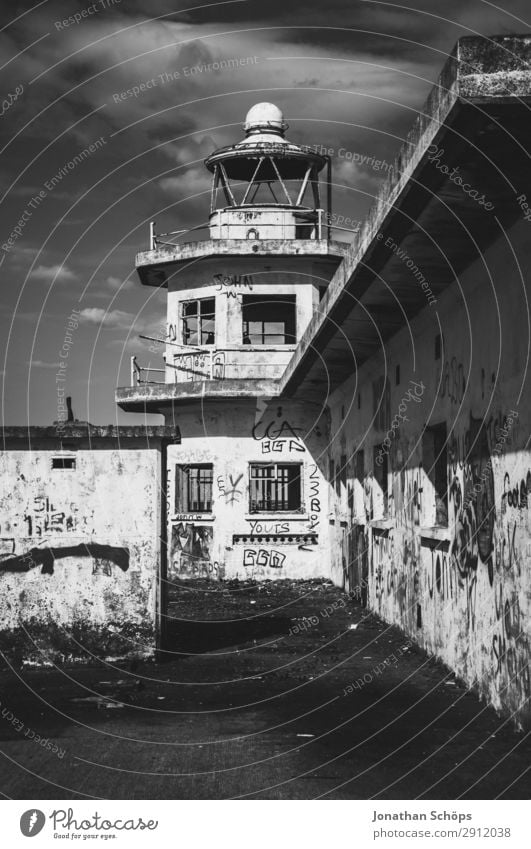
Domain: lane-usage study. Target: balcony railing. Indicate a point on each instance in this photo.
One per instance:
(320, 229)
(215, 364)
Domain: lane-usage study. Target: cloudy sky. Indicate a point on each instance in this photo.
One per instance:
(348, 74)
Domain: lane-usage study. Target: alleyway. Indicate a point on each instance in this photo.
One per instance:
(255, 702)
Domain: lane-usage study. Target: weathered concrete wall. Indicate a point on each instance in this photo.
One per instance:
(232, 542)
(80, 551)
(462, 592)
(227, 281)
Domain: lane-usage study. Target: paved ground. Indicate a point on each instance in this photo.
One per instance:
(255, 702)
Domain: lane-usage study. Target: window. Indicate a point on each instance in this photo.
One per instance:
(274, 487)
(193, 488)
(359, 465)
(268, 319)
(63, 462)
(380, 473)
(434, 462)
(199, 322)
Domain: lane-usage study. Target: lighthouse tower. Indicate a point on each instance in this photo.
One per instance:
(244, 490)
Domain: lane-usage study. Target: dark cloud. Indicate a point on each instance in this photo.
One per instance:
(348, 74)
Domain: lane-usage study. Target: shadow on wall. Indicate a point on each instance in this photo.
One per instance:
(46, 557)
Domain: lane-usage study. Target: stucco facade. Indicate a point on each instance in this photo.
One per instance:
(81, 542)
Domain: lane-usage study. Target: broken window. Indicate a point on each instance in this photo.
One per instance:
(268, 319)
(193, 488)
(434, 462)
(275, 486)
(199, 322)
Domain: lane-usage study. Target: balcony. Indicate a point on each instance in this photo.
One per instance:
(215, 364)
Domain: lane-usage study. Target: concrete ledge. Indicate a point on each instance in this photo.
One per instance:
(240, 247)
(54, 436)
(153, 396)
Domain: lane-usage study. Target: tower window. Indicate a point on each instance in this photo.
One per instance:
(268, 319)
(199, 322)
(274, 487)
(193, 488)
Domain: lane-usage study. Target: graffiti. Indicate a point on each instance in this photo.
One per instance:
(442, 575)
(45, 518)
(191, 517)
(453, 382)
(506, 555)
(190, 550)
(218, 365)
(171, 334)
(46, 557)
(510, 649)
(315, 501)
(277, 436)
(516, 496)
(274, 431)
(187, 568)
(229, 283)
(263, 557)
(278, 445)
(473, 504)
(233, 494)
(193, 365)
(274, 528)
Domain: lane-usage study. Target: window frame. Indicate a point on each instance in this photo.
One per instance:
(290, 330)
(183, 488)
(199, 317)
(289, 508)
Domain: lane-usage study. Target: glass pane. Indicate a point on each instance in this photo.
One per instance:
(190, 336)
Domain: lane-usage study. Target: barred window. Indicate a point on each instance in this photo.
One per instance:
(275, 486)
(193, 488)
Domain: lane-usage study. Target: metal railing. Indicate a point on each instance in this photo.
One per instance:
(322, 228)
(209, 364)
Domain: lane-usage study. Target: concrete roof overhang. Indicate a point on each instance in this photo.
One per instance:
(155, 267)
(70, 435)
(479, 115)
(158, 397)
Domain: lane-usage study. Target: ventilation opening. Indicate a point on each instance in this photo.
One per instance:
(63, 462)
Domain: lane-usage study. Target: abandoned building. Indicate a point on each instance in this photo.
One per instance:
(352, 411)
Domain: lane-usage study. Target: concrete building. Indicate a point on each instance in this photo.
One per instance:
(353, 412)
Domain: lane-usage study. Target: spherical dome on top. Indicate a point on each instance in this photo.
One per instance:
(264, 116)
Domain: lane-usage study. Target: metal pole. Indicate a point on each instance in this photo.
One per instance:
(329, 196)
